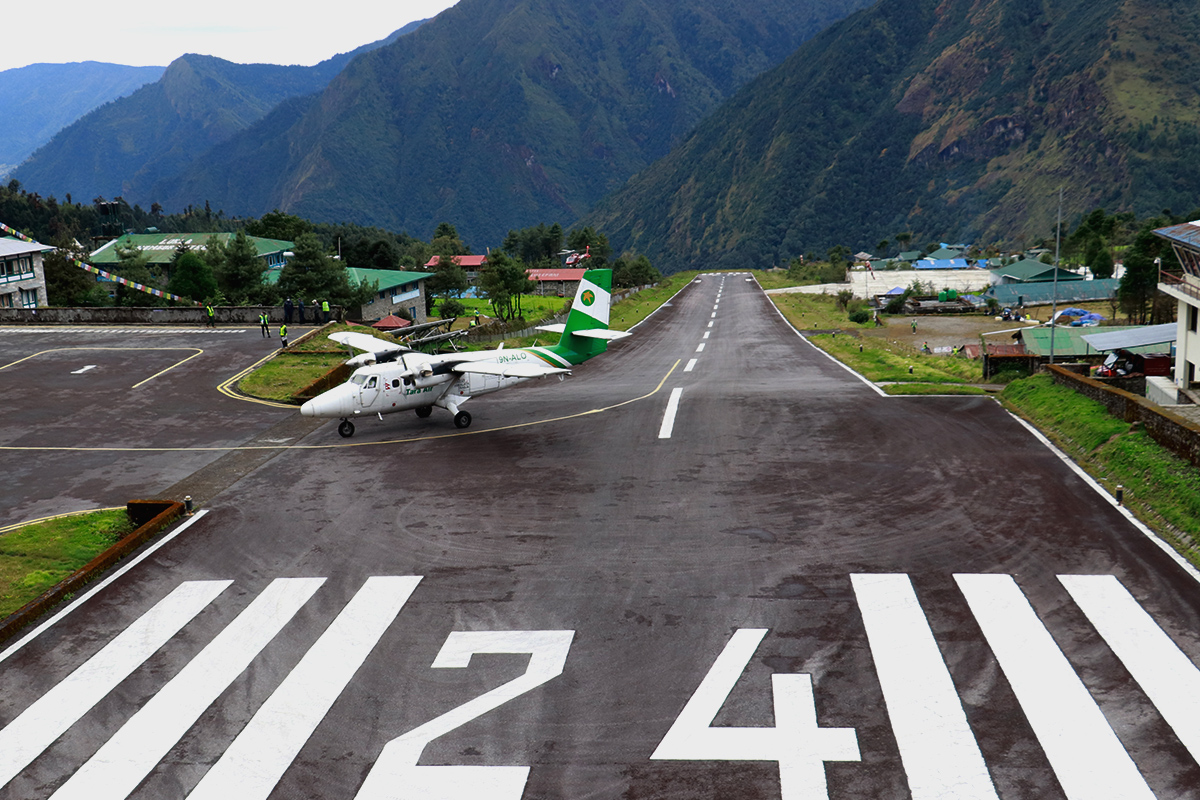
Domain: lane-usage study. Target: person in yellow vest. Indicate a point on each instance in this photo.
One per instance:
(283, 336)
(325, 309)
(210, 315)
(264, 323)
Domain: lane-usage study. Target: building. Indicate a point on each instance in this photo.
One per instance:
(160, 249)
(1030, 270)
(470, 264)
(22, 280)
(1185, 289)
(395, 290)
(560, 282)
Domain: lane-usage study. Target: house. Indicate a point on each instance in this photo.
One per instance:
(470, 264)
(1029, 270)
(396, 289)
(560, 282)
(929, 262)
(22, 280)
(944, 253)
(160, 249)
(1185, 289)
(909, 255)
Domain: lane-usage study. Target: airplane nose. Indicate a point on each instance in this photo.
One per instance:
(333, 403)
(309, 409)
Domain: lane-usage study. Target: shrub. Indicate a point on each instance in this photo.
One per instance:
(451, 308)
(861, 316)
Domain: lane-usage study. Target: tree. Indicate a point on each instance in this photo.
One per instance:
(446, 242)
(538, 245)
(278, 225)
(1099, 258)
(192, 278)
(504, 281)
(596, 244)
(314, 276)
(1139, 284)
(241, 275)
(67, 284)
(634, 271)
(449, 280)
(132, 265)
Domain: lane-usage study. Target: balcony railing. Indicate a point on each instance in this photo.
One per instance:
(1177, 283)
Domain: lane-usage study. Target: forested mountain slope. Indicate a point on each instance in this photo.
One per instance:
(39, 100)
(499, 114)
(953, 119)
(124, 147)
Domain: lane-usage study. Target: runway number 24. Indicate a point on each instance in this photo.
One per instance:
(396, 774)
(796, 742)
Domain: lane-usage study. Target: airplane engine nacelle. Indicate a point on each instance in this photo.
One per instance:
(364, 360)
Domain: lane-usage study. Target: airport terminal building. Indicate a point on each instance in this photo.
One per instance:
(1185, 288)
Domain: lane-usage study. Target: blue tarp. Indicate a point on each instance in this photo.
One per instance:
(944, 263)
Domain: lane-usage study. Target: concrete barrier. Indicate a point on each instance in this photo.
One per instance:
(179, 315)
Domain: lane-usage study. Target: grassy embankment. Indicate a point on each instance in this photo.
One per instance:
(1162, 489)
(35, 557)
(897, 368)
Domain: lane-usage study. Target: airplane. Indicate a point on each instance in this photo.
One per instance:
(390, 377)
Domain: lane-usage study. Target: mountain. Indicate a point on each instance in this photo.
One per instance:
(499, 114)
(125, 146)
(39, 100)
(953, 119)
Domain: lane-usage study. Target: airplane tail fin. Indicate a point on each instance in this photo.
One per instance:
(585, 333)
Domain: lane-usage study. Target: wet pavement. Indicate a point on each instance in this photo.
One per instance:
(711, 563)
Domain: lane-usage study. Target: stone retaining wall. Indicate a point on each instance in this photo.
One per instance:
(1172, 431)
(180, 315)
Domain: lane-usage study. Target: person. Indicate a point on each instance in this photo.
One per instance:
(287, 310)
(300, 309)
(283, 336)
(325, 310)
(210, 315)
(924, 347)
(914, 327)
(264, 322)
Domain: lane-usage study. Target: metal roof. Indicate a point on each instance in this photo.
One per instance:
(1070, 341)
(1030, 294)
(1134, 337)
(16, 247)
(1187, 234)
(160, 247)
(556, 274)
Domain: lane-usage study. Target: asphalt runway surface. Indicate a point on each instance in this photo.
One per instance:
(711, 563)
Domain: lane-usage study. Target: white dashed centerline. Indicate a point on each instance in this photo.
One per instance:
(668, 423)
(690, 365)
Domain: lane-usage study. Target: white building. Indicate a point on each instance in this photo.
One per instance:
(22, 281)
(1185, 288)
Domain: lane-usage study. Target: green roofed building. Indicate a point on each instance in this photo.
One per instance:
(1030, 270)
(396, 289)
(160, 249)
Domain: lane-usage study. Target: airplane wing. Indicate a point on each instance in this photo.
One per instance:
(370, 344)
(518, 370)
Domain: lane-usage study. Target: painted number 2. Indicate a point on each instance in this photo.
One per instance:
(796, 743)
(396, 775)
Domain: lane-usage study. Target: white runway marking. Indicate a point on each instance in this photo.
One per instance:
(128, 757)
(714, 314)
(690, 365)
(941, 757)
(1084, 752)
(668, 423)
(58, 709)
(266, 747)
(706, 334)
(710, 323)
(1165, 674)
(700, 348)
(85, 369)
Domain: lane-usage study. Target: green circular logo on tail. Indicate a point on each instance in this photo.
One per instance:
(589, 297)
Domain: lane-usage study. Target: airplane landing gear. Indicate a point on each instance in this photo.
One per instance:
(346, 429)
(462, 420)
(424, 411)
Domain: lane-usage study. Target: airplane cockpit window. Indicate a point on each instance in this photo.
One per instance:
(357, 380)
(373, 382)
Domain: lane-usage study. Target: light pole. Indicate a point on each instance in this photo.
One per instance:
(1054, 291)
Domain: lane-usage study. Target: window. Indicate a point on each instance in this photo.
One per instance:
(6, 300)
(373, 382)
(29, 298)
(1192, 314)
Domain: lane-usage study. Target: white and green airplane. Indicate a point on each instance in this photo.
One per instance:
(393, 378)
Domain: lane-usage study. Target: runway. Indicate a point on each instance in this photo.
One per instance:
(711, 563)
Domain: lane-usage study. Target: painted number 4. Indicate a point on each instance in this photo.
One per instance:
(796, 743)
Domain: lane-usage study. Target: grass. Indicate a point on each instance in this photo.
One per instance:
(287, 373)
(35, 557)
(809, 312)
(881, 361)
(1161, 488)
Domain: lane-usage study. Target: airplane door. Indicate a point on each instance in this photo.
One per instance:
(370, 391)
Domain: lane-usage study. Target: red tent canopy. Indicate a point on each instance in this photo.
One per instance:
(390, 323)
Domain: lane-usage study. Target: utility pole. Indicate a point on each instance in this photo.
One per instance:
(1054, 291)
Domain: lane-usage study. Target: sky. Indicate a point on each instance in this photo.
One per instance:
(144, 33)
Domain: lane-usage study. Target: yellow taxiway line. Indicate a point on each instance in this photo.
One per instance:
(336, 445)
